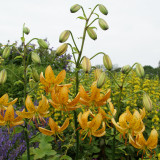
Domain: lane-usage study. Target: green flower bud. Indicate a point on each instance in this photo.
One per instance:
(64, 36)
(103, 24)
(35, 75)
(35, 58)
(103, 9)
(147, 103)
(62, 49)
(86, 64)
(3, 76)
(107, 62)
(26, 30)
(42, 44)
(6, 52)
(101, 80)
(140, 70)
(92, 34)
(75, 8)
(125, 69)
(97, 73)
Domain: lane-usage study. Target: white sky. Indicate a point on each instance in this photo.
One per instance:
(134, 34)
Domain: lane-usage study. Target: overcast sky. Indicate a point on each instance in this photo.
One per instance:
(133, 36)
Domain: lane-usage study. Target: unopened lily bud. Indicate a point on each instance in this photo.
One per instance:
(103, 9)
(101, 80)
(3, 76)
(147, 103)
(103, 24)
(35, 75)
(125, 69)
(26, 30)
(64, 36)
(140, 70)
(62, 49)
(107, 62)
(92, 34)
(86, 64)
(75, 8)
(6, 52)
(97, 73)
(42, 44)
(35, 58)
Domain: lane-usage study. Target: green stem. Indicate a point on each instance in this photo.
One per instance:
(72, 52)
(97, 54)
(13, 73)
(25, 94)
(31, 41)
(92, 22)
(83, 12)
(74, 42)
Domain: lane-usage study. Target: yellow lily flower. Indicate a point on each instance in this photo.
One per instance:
(35, 112)
(9, 119)
(95, 98)
(4, 102)
(60, 99)
(91, 127)
(129, 123)
(50, 79)
(140, 143)
(55, 129)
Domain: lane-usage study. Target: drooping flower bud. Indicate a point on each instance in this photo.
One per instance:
(42, 44)
(6, 52)
(97, 73)
(75, 8)
(26, 30)
(147, 103)
(101, 80)
(92, 34)
(103, 9)
(35, 58)
(140, 70)
(62, 49)
(3, 76)
(86, 64)
(64, 36)
(35, 75)
(103, 24)
(107, 62)
(125, 69)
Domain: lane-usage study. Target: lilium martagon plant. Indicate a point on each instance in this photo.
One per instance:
(35, 112)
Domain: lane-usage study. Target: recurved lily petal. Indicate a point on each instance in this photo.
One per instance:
(4, 99)
(12, 102)
(96, 122)
(43, 105)
(152, 140)
(83, 93)
(42, 80)
(29, 104)
(63, 95)
(49, 75)
(135, 121)
(53, 125)
(25, 114)
(82, 101)
(122, 120)
(118, 127)
(56, 106)
(68, 108)
(16, 123)
(54, 96)
(45, 131)
(142, 112)
(133, 143)
(64, 126)
(9, 115)
(60, 77)
(74, 101)
(95, 92)
(101, 132)
(83, 119)
(106, 96)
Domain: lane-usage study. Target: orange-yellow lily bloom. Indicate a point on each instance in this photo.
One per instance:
(4, 102)
(9, 119)
(95, 98)
(50, 79)
(91, 127)
(60, 99)
(140, 143)
(55, 129)
(129, 123)
(35, 112)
